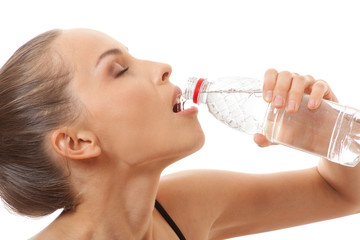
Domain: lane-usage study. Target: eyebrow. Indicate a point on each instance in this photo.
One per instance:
(113, 51)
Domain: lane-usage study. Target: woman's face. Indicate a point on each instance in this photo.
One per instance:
(129, 101)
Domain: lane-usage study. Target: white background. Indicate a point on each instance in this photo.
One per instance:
(214, 38)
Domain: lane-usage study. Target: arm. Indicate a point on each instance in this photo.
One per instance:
(221, 204)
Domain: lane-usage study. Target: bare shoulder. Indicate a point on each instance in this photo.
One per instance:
(192, 197)
(180, 190)
(192, 180)
(184, 195)
(190, 185)
(199, 190)
(199, 182)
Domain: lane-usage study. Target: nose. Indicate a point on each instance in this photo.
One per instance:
(161, 72)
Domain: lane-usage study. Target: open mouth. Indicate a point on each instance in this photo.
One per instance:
(179, 104)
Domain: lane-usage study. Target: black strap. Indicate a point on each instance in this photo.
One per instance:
(169, 220)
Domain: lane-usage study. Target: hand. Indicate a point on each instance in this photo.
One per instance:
(285, 89)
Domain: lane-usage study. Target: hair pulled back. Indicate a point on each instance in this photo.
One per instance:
(34, 99)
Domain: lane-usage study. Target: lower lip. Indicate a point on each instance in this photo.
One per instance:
(189, 111)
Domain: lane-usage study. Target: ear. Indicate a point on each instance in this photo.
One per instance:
(76, 145)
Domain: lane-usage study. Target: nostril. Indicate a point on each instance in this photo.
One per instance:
(164, 76)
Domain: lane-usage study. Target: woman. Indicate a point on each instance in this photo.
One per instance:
(89, 128)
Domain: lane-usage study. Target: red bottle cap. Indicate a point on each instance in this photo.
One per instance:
(197, 90)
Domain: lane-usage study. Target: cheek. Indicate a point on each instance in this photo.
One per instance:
(131, 113)
(142, 106)
(140, 129)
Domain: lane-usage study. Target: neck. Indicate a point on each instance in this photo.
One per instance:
(117, 205)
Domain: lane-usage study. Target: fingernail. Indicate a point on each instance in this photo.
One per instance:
(278, 101)
(268, 96)
(291, 106)
(311, 103)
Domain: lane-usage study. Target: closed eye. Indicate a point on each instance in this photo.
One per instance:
(121, 72)
(117, 69)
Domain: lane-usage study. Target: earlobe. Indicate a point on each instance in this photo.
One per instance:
(78, 145)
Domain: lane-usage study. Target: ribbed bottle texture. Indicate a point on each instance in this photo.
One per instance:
(235, 101)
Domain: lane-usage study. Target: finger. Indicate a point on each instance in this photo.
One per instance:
(282, 87)
(309, 81)
(295, 94)
(269, 84)
(320, 90)
(261, 140)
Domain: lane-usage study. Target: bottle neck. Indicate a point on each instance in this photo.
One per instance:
(196, 90)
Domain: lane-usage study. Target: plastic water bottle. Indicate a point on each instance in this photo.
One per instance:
(331, 131)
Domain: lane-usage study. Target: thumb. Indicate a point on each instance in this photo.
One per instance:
(261, 140)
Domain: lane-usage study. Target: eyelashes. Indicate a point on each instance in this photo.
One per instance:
(121, 72)
(116, 69)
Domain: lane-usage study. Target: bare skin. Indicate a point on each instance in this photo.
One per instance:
(129, 134)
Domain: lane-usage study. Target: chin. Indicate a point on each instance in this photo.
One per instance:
(196, 143)
(180, 144)
(201, 140)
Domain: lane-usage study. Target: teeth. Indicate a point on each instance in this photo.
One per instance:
(179, 105)
(181, 102)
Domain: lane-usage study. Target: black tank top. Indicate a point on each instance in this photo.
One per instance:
(169, 220)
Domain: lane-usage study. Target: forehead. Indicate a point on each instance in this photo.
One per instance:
(84, 46)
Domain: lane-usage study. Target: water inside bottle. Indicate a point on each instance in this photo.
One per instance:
(307, 130)
(327, 131)
(345, 147)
